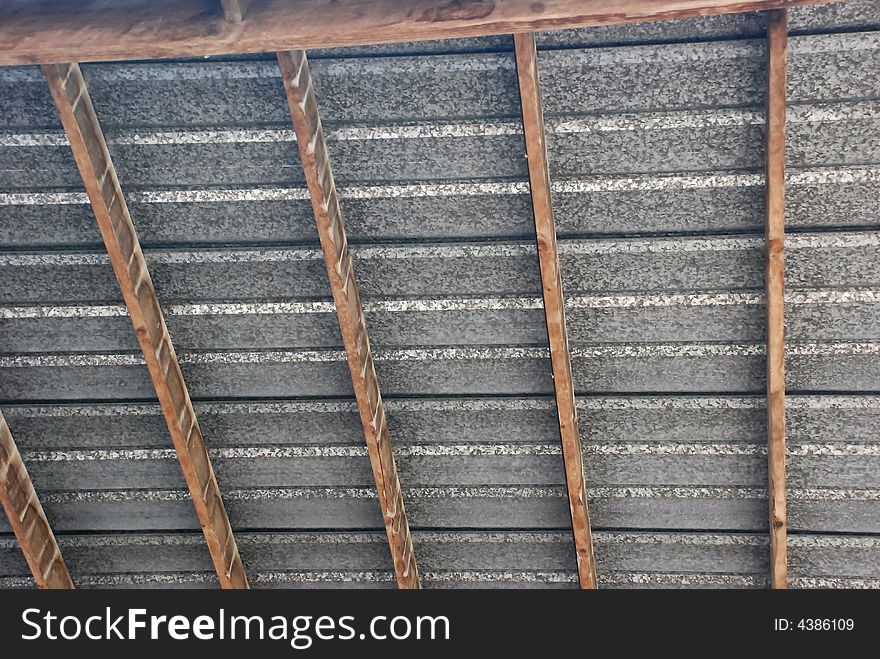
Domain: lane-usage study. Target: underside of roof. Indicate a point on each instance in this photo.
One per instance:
(655, 136)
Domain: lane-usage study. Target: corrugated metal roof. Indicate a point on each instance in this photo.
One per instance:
(655, 136)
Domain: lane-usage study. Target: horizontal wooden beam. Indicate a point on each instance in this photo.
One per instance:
(340, 270)
(554, 304)
(94, 30)
(777, 49)
(26, 517)
(234, 10)
(120, 239)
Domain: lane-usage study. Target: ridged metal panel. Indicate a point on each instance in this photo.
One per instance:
(655, 138)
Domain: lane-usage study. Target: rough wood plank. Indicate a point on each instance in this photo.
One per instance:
(554, 305)
(775, 239)
(90, 31)
(26, 517)
(234, 10)
(340, 270)
(120, 239)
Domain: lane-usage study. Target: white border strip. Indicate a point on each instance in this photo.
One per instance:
(642, 121)
(697, 448)
(621, 301)
(611, 183)
(476, 492)
(612, 351)
(799, 402)
(834, 240)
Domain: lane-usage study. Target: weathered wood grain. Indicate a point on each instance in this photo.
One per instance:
(554, 304)
(340, 270)
(92, 31)
(26, 517)
(120, 239)
(234, 10)
(775, 238)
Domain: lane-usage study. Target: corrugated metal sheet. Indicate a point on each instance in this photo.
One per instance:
(655, 137)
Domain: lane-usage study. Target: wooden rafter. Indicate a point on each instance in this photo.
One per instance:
(234, 10)
(120, 239)
(554, 305)
(777, 47)
(340, 270)
(94, 31)
(26, 517)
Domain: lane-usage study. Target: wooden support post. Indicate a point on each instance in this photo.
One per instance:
(26, 517)
(777, 47)
(120, 239)
(554, 304)
(340, 270)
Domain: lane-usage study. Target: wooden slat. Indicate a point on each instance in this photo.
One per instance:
(90, 31)
(340, 270)
(26, 517)
(554, 305)
(234, 10)
(777, 39)
(121, 241)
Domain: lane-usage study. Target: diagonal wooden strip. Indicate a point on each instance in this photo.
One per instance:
(554, 304)
(120, 239)
(234, 10)
(90, 30)
(26, 517)
(777, 38)
(325, 204)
